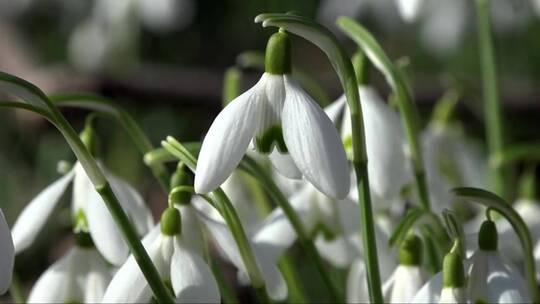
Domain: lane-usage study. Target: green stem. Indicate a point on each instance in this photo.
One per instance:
(307, 243)
(36, 97)
(497, 203)
(407, 110)
(341, 62)
(295, 285)
(492, 107)
(227, 211)
(16, 291)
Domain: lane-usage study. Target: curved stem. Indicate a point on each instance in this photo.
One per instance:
(395, 79)
(227, 211)
(497, 203)
(105, 106)
(36, 97)
(492, 107)
(339, 59)
(254, 169)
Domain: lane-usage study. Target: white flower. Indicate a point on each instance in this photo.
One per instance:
(409, 9)
(277, 115)
(80, 276)
(176, 254)
(387, 167)
(266, 256)
(408, 276)
(87, 207)
(6, 255)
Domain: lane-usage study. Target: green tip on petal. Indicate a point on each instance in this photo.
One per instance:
(410, 251)
(278, 54)
(84, 240)
(273, 136)
(453, 272)
(171, 222)
(487, 238)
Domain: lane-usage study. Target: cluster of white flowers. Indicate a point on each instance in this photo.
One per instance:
(308, 151)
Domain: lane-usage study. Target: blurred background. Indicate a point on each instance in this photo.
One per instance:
(164, 60)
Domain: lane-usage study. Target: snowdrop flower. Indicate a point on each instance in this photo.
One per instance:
(80, 276)
(280, 119)
(6, 256)
(448, 286)
(408, 276)
(384, 141)
(88, 210)
(175, 250)
(492, 280)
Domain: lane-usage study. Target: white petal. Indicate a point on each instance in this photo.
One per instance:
(335, 110)
(409, 9)
(274, 281)
(133, 204)
(384, 144)
(431, 291)
(97, 278)
(314, 143)
(357, 289)
(284, 164)
(453, 295)
(129, 284)
(82, 187)
(478, 273)
(407, 282)
(191, 230)
(505, 285)
(104, 231)
(7, 254)
(56, 284)
(191, 278)
(338, 251)
(36, 213)
(227, 139)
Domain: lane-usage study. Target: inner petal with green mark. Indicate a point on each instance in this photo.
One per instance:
(268, 139)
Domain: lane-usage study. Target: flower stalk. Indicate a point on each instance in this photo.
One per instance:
(36, 98)
(492, 107)
(339, 59)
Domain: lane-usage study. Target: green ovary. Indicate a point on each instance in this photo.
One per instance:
(273, 136)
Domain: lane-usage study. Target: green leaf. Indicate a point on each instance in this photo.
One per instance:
(24, 90)
(495, 202)
(529, 152)
(413, 215)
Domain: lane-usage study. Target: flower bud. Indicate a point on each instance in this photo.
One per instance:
(487, 238)
(410, 251)
(89, 138)
(453, 273)
(171, 222)
(278, 54)
(180, 178)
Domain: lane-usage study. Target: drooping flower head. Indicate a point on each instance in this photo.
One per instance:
(281, 120)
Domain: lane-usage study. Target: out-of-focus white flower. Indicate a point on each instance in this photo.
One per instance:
(408, 276)
(449, 162)
(87, 209)
(7, 255)
(278, 116)
(410, 9)
(175, 248)
(80, 276)
(387, 167)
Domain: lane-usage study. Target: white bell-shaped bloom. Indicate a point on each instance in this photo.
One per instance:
(277, 115)
(87, 206)
(266, 256)
(80, 276)
(7, 255)
(450, 162)
(176, 253)
(409, 9)
(408, 277)
(387, 167)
